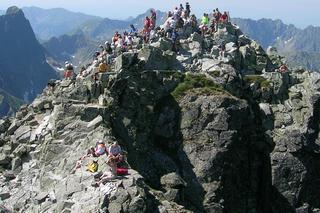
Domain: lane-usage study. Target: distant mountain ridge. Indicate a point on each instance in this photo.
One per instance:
(24, 71)
(77, 48)
(47, 23)
(105, 28)
(300, 46)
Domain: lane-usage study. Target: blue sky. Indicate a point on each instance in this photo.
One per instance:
(299, 12)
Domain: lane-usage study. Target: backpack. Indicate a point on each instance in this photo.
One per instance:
(93, 166)
(122, 171)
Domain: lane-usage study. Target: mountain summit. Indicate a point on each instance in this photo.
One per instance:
(211, 124)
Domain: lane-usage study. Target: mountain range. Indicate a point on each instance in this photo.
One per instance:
(301, 47)
(24, 71)
(47, 23)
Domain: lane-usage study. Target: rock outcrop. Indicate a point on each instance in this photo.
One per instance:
(202, 135)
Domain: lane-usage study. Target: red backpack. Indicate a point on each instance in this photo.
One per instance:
(122, 171)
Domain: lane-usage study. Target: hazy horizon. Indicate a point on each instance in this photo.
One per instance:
(286, 10)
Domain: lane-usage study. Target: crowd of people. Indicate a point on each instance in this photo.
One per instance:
(175, 25)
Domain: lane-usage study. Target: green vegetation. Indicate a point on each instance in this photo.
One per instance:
(215, 73)
(257, 79)
(198, 84)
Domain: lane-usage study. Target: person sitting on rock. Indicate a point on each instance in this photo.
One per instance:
(115, 38)
(97, 151)
(108, 175)
(51, 85)
(115, 152)
(193, 21)
(103, 67)
(224, 18)
(129, 42)
(68, 70)
(96, 55)
(283, 68)
(188, 9)
(133, 31)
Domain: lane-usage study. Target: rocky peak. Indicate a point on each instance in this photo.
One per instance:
(14, 11)
(203, 132)
(24, 70)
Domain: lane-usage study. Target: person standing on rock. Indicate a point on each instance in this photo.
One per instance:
(222, 50)
(174, 39)
(188, 9)
(204, 23)
(224, 18)
(68, 74)
(153, 19)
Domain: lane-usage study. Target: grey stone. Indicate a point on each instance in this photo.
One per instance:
(173, 180)
(4, 196)
(41, 197)
(95, 122)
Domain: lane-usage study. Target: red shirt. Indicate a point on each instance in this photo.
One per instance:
(224, 17)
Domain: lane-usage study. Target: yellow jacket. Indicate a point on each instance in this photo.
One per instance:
(103, 67)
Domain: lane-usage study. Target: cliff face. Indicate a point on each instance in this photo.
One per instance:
(24, 71)
(202, 133)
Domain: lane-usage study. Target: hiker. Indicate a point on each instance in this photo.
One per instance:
(188, 10)
(133, 31)
(217, 15)
(179, 23)
(193, 21)
(213, 26)
(181, 8)
(106, 176)
(115, 152)
(129, 42)
(96, 55)
(115, 38)
(174, 39)
(103, 67)
(68, 70)
(147, 24)
(222, 50)
(153, 19)
(101, 49)
(176, 14)
(97, 151)
(224, 18)
(204, 23)
(108, 47)
(283, 68)
(51, 85)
